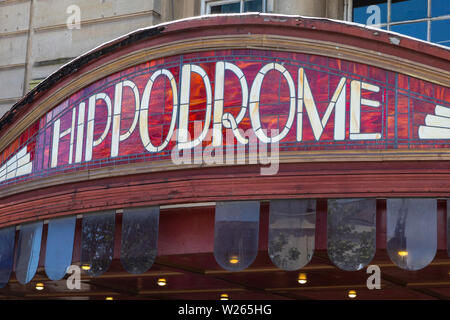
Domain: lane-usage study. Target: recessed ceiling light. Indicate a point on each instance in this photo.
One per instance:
(39, 286)
(302, 278)
(85, 267)
(109, 298)
(234, 259)
(224, 296)
(162, 282)
(402, 253)
(352, 294)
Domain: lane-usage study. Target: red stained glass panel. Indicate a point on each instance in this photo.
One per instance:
(405, 104)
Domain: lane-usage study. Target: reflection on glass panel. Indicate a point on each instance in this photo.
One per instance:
(404, 10)
(226, 8)
(440, 8)
(58, 254)
(351, 229)
(292, 228)
(440, 31)
(236, 234)
(7, 236)
(371, 12)
(253, 6)
(28, 250)
(139, 238)
(416, 29)
(411, 232)
(97, 242)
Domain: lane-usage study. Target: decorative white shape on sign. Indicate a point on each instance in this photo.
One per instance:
(436, 126)
(18, 165)
(143, 114)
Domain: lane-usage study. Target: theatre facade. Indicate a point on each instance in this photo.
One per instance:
(246, 156)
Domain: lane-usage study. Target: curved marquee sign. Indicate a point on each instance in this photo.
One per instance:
(205, 101)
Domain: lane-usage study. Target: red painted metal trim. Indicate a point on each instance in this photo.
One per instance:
(76, 255)
(264, 226)
(43, 245)
(321, 225)
(307, 180)
(118, 236)
(442, 224)
(381, 224)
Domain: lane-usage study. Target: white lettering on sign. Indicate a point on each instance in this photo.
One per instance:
(355, 110)
(57, 135)
(90, 142)
(143, 116)
(183, 142)
(301, 103)
(116, 136)
(227, 120)
(80, 133)
(254, 102)
(337, 102)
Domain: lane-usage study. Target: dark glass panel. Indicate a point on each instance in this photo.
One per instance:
(292, 226)
(351, 231)
(97, 242)
(226, 8)
(236, 234)
(440, 31)
(404, 10)
(7, 236)
(411, 232)
(58, 254)
(253, 6)
(417, 29)
(365, 12)
(440, 8)
(139, 238)
(28, 250)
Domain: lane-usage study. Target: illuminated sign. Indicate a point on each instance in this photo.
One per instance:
(305, 103)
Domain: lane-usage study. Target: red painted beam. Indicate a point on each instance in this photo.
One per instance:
(313, 180)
